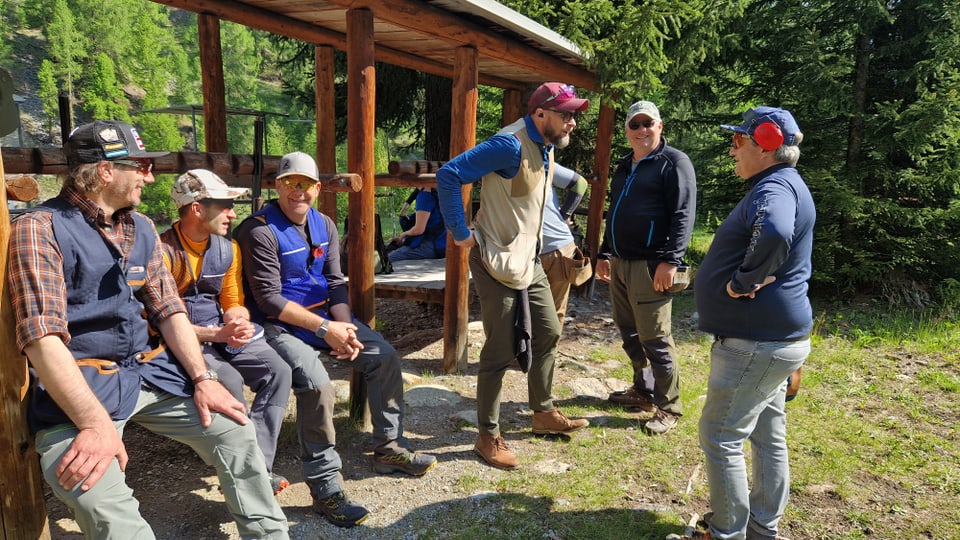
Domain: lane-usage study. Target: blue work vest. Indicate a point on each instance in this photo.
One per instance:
(108, 331)
(301, 266)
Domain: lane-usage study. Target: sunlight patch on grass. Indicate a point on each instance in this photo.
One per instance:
(941, 380)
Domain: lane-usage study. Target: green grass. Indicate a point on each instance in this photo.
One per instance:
(874, 438)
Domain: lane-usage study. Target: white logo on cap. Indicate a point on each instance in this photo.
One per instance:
(136, 137)
(109, 135)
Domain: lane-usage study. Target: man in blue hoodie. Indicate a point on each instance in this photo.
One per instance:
(751, 294)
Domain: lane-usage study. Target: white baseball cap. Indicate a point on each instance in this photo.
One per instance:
(198, 184)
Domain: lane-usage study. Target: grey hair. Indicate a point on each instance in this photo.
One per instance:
(789, 154)
(84, 178)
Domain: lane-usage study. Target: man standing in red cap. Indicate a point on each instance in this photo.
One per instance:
(519, 317)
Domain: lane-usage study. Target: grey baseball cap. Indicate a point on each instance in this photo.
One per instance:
(298, 163)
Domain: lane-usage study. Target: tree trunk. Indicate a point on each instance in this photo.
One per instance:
(438, 92)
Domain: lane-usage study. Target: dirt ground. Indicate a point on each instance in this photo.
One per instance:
(179, 495)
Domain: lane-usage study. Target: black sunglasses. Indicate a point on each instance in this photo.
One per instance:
(646, 123)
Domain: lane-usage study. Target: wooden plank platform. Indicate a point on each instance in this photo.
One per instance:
(421, 280)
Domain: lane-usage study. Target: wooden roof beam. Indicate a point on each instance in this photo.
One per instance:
(458, 31)
(269, 21)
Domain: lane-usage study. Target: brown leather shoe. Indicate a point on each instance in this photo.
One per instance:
(632, 399)
(555, 423)
(493, 449)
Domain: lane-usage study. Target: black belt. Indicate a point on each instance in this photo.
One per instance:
(804, 337)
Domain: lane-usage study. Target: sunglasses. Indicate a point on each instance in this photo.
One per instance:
(143, 167)
(567, 91)
(638, 124)
(564, 115)
(738, 140)
(300, 185)
(223, 204)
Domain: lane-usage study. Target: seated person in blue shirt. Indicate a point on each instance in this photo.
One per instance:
(427, 238)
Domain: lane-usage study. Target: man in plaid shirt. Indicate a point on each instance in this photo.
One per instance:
(86, 275)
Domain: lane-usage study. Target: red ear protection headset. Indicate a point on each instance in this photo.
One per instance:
(767, 135)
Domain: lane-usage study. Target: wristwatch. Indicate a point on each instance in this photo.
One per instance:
(322, 331)
(208, 375)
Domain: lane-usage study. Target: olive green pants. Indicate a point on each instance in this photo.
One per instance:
(498, 310)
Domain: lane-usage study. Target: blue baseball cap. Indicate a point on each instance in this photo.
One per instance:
(758, 115)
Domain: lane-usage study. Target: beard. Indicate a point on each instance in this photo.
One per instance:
(556, 138)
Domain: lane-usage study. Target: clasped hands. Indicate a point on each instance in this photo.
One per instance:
(342, 338)
(236, 333)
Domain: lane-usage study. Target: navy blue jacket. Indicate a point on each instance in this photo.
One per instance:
(652, 208)
(769, 233)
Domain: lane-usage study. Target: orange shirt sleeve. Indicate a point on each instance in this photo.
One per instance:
(231, 295)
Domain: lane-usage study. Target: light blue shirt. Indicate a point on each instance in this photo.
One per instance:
(556, 232)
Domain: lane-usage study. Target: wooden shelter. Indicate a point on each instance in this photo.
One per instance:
(472, 42)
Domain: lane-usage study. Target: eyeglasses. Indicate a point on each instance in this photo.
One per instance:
(567, 91)
(143, 167)
(564, 115)
(638, 124)
(300, 185)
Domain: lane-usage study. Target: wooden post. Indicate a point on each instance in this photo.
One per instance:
(601, 167)
(463, 136)
(513, 108)
(211, 74)
(22, 512)
(361, 105)
(324, 101)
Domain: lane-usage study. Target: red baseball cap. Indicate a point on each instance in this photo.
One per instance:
(557, 96)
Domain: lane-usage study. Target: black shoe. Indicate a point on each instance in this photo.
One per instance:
(338, 510)
(405, 461)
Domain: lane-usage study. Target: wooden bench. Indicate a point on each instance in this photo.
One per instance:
(422, 280)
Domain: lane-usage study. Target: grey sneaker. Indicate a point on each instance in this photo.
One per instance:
(661, 422)
(278, 483)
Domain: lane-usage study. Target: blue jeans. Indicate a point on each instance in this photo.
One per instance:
(745, 401)
(426, 250)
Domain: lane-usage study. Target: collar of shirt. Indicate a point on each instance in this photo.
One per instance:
(534, 133)
(92, 212)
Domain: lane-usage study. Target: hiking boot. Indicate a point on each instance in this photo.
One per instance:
(338, 510)
(493, 449)
(553, 422)
(405, 461)
(662, 422)
(632, 399)
(278, 483)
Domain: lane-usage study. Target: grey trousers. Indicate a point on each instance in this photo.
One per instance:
(380, 366)
(644, 318)
(261, 368)
(110, 511)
